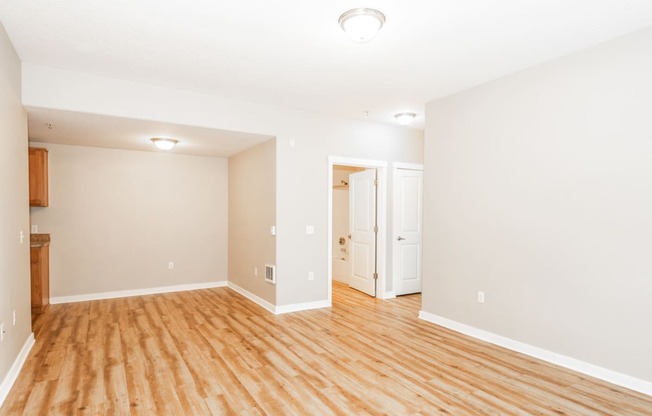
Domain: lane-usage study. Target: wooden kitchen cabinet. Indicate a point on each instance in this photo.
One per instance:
(40, 271)
(38, 177)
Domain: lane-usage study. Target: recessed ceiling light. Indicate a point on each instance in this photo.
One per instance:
(405, 118)
(163, 143)
(361, 24)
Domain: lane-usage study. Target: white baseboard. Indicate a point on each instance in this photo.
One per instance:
(12, 375)
(592, 370)
(135, 292)
(388, 295)
(254, 298)
(278, 310)
(296, 307)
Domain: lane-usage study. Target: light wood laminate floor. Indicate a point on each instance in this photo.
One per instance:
(212, 352)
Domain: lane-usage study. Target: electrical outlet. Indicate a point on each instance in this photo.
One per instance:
(2, 332)
(311, 276)
(480, 297)
(310, 229)
(14, 316)
(171, 265)
(34, 229)
(255, 271)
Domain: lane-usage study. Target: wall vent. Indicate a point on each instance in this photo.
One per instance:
(270, 273)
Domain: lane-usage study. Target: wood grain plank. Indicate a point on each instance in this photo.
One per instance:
(213, 352)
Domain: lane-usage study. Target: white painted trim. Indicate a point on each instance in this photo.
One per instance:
(381, 167)
(408, 166)
(389, 295)
(583, 367)
(297, 307)
(254, 298)
(396, 167)
(278, 310)
(135, 292)
(14, 371)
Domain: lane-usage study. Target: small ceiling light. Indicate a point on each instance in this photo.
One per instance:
(404, 118)
(164, 144)
(361, 24)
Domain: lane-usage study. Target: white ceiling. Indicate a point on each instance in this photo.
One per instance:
(85, 129)
(293, 53)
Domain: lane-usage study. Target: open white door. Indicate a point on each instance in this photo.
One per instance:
(362, 226)
(408, 203)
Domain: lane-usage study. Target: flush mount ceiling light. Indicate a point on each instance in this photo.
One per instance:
(164, 144)
(361, 24)
(405, 118)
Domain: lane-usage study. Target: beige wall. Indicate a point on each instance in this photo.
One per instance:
(117, 217)
(252, 211)
(14, 210)
(304, 140)
(538, 191)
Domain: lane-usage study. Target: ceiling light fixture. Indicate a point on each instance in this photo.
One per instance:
(164, 144)
(405, 118)
(361, 24)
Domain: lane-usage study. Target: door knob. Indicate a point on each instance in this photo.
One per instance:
(400, 238)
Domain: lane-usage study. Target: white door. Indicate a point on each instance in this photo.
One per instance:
(408, 202)
(362, 226)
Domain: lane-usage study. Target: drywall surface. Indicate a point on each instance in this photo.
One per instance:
(252, 213)
(304, 141)
(14, 211)
(538, 192)
(118, 217)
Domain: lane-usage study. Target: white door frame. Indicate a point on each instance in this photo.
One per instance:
(381, 219)
(395, 167)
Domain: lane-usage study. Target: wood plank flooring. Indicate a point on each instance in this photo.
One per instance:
(212, 352)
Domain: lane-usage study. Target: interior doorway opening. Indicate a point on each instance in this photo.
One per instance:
(357, 224)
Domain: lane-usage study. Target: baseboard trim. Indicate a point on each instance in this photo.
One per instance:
(297, 307)
(254, 298)
(279, 310)
(592, 370)
(14, 371)
(389, 295)
(136, 292)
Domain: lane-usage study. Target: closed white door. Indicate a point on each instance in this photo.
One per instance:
(408, 203)
(362, 226)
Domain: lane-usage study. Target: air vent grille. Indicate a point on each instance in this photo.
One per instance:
(270, 273)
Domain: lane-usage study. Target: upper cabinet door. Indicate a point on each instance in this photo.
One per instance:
(38, 177)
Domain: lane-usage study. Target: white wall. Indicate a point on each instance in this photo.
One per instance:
(14, 212)
(538, 191)
(252, 212)
(341, 263)
(117, 217)
(304, 142)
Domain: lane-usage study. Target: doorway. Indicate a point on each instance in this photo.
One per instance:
(407, 218)
(356, 246)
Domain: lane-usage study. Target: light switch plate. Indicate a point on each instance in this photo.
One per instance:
(310, 229)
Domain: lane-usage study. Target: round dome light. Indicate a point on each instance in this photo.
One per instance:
(405, 118)
(361, 24)
(164, 144)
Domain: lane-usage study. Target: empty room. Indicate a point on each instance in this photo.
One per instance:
(326, 208)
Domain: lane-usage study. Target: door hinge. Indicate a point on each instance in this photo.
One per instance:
(375, 182)
(375, 228)
(375, 276)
